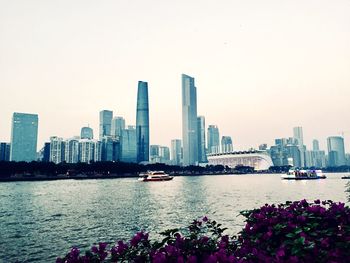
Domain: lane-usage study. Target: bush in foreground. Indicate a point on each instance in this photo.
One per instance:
(291, 232)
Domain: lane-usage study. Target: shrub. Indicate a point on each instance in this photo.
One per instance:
(291, 232)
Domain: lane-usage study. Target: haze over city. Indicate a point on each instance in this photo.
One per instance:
(261, 67)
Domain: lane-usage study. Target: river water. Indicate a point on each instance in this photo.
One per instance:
(42, 220)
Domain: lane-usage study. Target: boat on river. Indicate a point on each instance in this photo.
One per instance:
(345, 177)
(154, 176)
(303, 175)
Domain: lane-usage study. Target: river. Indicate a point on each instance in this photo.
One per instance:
(42, 220)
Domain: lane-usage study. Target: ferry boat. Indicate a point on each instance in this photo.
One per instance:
(303, 175)
(153, 176)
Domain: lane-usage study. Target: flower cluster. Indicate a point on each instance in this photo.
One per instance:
(296, 232)
(290, 232)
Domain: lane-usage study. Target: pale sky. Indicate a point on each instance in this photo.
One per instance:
(261, 67)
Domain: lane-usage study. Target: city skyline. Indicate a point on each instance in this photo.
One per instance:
(257, 67)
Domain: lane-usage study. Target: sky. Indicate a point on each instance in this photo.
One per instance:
(261, 67)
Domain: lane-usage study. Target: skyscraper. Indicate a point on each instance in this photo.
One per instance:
(202, 156)
(336, 151)
(5, 149)
(226, 144)
(315, 145)
(129, 147)
(118, 125)
(298, 136)
(105, 123)
(71, 150)
(142, 123)
(56, 149)
(213, 139)
(176, 155)
(86, 133)
(24, 136)
(189, 121)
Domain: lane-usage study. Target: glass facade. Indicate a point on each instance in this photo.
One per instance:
(202, 156)
(105, 123)
(336, 151)
(213, 139)
(189, 121)
(129, 149)
(86, 133)
(24, 136)
(176, 152)
(142, 122)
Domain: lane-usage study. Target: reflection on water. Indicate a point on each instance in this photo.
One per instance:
(44, 219)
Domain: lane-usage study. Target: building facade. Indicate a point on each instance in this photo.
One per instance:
(213, 139)
(336, 151)
(5, 149)
(118, 125)
(24, 137)
(189, 121)
(259, 160)
(176, 152)
(226, 144)
(142, 123)
(105, 123)
(129, 147)
(57, 149)
(202, 155)
(86, 133)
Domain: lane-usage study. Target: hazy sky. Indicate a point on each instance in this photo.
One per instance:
(261, 66)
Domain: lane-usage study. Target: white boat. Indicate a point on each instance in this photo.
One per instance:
(153, 176)
(303, 175)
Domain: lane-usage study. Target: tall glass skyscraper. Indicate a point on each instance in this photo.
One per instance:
(213, 139)
(336, 151)
(142, 123)
(189, 121)
(105, 123)
(24, 137)
(176, 152)
(118, 125)
(298, 136)
(129, 149)
(202, 156)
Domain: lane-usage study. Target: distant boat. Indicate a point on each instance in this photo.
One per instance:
(303, 175)
(345, 177)
(154, 176)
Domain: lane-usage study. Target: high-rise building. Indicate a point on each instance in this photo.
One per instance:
(111, 150)
(71, 150)
(202, 156)
(5, 149)
(46, 152)
(189, 121)
(336, 151)
(129, 148)
(298, 136)
(159, 154)
(142, 123)
(118, 125)
(24, 136)
(105, 123)
(176, 152)
(213, 139)
(89, 151)
(315, 145)
(57, 149)
(226, 144)
(285, 152)
(86, 133)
